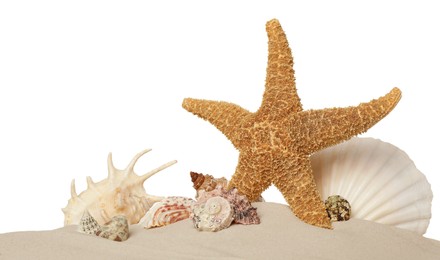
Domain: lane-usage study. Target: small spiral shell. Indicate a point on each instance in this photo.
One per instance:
(213, 215)
(206, 182)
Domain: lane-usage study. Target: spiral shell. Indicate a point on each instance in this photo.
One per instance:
(213, 215)
(244, 213)
(167, 211)
(379, 180)
(206, 182)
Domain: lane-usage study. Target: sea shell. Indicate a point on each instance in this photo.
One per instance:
(206, 182)
(213, 215)
(338, 208)
(88, 225)
(122, 193)
(116, 229)
(167, 211)
(244, 213)
(379, 180)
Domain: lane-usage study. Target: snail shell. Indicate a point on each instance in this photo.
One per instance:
(213, 215)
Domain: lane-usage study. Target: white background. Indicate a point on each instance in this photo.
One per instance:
(79, 79)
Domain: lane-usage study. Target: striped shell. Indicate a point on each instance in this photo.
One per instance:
(213, 215)
(167, 211)
(122, 193)
(244, 213)
(379, 180)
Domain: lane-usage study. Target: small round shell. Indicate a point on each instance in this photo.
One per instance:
(338, 208)
(214, 215)
(244, 213)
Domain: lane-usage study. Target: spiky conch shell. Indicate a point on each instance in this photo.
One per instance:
(206, 182)
(380, 181)
(122, 193)
(244, 213)
(167, 211)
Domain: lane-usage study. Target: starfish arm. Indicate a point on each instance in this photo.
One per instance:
(227, 117)
(295, 180)
(252, 175)
(280, 97)
(327, 127)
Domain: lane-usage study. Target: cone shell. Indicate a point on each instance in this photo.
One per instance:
(244, 213)
(213, 215)
(167, 211)
(88, 225)
(206, 182)
(379, 180)
(122, 193)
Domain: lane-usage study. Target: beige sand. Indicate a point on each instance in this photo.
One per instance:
(279, 236)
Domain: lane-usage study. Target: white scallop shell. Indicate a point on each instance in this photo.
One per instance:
(213, 215)
(378, 179)
(122, 193)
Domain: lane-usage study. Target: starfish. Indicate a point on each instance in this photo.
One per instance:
(275, 142)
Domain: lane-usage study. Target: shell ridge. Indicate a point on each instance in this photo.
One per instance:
(387, 196)
(418, 203)
(355, 183)
(368, 191)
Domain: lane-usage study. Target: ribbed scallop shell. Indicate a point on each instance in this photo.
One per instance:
(122, 193)
(167, 211)
(379, 180)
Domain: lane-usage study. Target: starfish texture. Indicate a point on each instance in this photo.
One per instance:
(276, 141)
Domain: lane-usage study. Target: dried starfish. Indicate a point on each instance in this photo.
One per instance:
(276, 141)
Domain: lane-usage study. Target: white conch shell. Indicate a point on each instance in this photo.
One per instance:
(213, 215)
(378, 179)
(122, 193)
